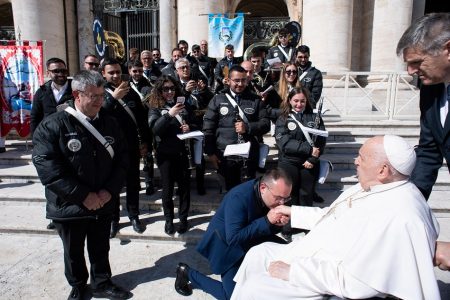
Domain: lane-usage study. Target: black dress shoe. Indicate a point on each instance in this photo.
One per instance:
(317, 198)
(137, 225)
(77, 293)
(183, 227)
(51, 225)
(114, 229)
(168, 227)
(182, 285)
(111, 291)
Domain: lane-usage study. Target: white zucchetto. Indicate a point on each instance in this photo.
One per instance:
(400, 154)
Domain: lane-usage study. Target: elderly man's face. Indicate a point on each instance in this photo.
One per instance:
(368, 164)
(431, 69)
(183, 71)
(147, 60)
(90, 100)
(276, 193)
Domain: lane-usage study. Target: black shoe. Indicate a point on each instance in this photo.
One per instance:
(114, 229)
(182, 285)
(51, 225)
(168, 227)
(317, 198)
(201, 191)
(137, 225)
(77, 293)
(111, 291)
(150, 189)
(183, 227)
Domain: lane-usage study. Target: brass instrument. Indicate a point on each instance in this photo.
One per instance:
(244, 171)
(115, 41)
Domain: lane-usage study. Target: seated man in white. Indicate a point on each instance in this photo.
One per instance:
(377, 239)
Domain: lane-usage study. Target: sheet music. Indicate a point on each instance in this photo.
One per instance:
(242, 150)
(272, 61)
(197, 134)
(316, 131)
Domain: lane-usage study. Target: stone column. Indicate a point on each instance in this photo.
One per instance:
(167, 28)
(327, 27)
(386, 33)
(85, 35)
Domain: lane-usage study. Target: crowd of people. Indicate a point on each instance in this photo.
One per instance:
(91, 133)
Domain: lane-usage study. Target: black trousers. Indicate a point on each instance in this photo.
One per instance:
(174, 168)
(133, 186)
(73, 235)
(233, 170)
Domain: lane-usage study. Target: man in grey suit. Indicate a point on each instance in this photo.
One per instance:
(425, 46)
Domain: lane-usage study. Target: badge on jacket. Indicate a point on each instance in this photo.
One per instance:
(292, 126)
(74, 145)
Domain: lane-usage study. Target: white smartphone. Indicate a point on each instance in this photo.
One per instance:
(180, 99)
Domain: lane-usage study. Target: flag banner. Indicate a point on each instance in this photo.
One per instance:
(21, 74)
(224, 31)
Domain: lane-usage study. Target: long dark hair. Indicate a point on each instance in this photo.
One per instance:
(156, 98)
(286, 106)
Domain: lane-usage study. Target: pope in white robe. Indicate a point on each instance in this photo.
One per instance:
(376, 239)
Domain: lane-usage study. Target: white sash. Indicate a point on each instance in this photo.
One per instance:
(91, 129)
(304, 73)
(134, 87)
(305, 133)
(234, 104)
(124, 105)
(285, 54)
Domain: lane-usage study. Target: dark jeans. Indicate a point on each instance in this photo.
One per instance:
(96, 233)
(174, 168)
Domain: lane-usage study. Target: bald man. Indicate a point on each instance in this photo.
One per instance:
(377, 239)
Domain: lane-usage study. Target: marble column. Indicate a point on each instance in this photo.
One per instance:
(85, 35)
(44, 20)
(327, 27)
(386, 33)
(167, 28)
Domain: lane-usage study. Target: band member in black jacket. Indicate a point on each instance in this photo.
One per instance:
(83, 178)
(167, 118)
(125, 105)
(223, 126)
(296, 155)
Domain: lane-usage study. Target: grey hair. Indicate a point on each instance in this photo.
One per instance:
(428, 34)
(86, 78)
(146, 52)
(181, 60)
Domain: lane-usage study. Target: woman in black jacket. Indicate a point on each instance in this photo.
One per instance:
(167, 118)
(296, 155)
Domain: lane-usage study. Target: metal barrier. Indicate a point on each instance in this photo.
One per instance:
(371, 95)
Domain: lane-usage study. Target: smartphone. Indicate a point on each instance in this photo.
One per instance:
(180, 99)
(125, 77)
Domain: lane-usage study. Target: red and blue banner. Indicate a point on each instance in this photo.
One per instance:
(21, 74)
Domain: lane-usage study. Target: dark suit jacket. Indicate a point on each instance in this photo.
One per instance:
(239, 223)
(434, 143)
(44, 103)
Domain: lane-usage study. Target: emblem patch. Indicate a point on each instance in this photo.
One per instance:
(109, 139)
(292, 126)
(307, 79)
(74, 145)
(249, 110)
(224, 110)
(311, 124)
(131, 104)
(275, 54)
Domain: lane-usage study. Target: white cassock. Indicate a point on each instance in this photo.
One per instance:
(365, 244)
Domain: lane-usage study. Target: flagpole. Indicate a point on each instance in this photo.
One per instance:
(228, 14)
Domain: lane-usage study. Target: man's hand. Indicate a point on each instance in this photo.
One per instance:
(315, 152)
(121, 90)
(239, 127)
(104, 196)
(284, 210)
(190, 85)
(308, 165)
(442, 256)
(92, 201)
(277, 218)
(214, 160)
(185, 128)
(279, 269)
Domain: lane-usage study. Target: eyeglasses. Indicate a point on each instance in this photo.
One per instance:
(183, 67)
(291, 72)
(156, 54)
(92, 63)
(137, 71)
(279, 198)
(237, 81)
(93, 97)
(282, 36)
(58, 71)
(167, 89)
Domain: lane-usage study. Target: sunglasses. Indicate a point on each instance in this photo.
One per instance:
(183, 67)
(137, 71)
(167, 89)
(291, 72)
(58, 71)
(92, 63)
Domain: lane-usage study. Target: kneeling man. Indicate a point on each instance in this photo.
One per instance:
(377, 239)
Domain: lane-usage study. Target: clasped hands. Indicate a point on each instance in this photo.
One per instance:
(279, 215)
(96, 201)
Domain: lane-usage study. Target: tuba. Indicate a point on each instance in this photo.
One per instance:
(115, 41)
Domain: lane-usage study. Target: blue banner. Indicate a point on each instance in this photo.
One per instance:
(224, 31)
